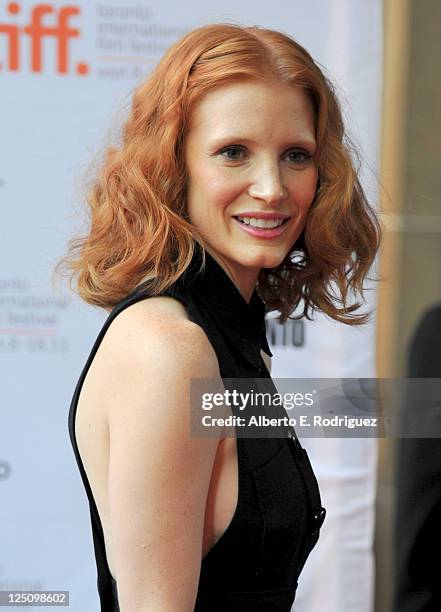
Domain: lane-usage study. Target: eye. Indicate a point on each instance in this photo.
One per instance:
(235, 153)
(235, 150)
(299, 156)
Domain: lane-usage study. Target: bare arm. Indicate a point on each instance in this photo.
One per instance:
(158, 475)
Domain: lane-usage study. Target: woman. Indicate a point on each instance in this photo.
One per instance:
(233, 193)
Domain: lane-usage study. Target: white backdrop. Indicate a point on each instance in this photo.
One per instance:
(59, 95)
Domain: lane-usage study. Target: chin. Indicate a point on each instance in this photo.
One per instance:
(264, 260)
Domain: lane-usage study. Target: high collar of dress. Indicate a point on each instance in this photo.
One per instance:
(243, 322)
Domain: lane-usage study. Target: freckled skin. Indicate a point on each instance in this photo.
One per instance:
(250, 148)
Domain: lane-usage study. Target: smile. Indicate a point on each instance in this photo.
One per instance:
(262, 223)
(262, 228)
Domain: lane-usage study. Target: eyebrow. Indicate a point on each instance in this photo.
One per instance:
(236, 138)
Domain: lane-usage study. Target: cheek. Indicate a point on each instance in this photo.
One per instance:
(215, 187)
(304, 190)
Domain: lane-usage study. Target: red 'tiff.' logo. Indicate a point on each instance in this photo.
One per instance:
(36, 32)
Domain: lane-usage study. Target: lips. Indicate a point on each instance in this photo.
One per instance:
(260, 232)
(263, 215)
(260, 223)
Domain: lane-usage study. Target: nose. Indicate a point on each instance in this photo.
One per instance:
(268, 184)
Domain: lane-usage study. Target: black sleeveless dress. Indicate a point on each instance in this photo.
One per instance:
(255, 565)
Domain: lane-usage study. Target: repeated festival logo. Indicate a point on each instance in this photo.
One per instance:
(36, 24)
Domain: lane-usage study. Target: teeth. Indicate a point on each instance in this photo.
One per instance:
(264, 223)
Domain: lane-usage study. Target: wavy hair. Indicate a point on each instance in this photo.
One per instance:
(139, 229)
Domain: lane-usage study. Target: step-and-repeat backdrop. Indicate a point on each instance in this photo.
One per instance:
(67, 71)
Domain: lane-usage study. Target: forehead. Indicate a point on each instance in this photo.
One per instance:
(252, 104)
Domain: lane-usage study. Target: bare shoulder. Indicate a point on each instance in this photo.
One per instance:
(157, 329)
(158, 474)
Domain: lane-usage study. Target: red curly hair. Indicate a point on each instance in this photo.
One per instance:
(139, 229)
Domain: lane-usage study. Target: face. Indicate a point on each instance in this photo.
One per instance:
(250, 163)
